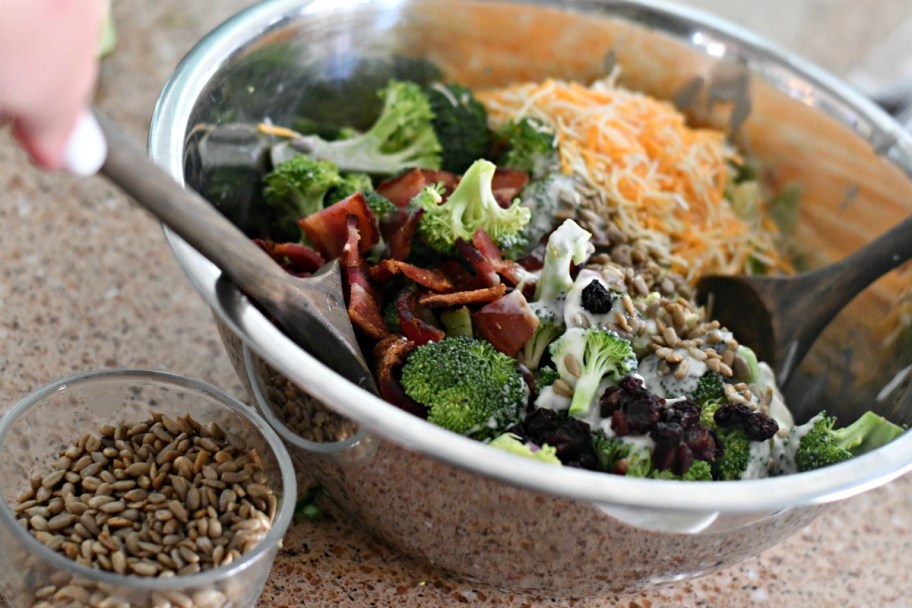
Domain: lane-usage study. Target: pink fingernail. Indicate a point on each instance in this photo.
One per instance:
(86, 149)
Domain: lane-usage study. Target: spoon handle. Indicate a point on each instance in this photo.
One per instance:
(855, 272)
(190, 216)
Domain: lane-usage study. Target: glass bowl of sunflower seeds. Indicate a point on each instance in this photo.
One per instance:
(139, 488)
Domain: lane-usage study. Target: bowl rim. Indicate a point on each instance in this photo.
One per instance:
(273, 538)
(170, 121)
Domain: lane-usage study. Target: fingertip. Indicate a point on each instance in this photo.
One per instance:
(86, 148)
(76, 146)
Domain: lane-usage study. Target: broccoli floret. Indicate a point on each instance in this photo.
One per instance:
(736, 454)
(469, 207)
(461, 124)
(710, 389)
(390, 314)
(512, 443)
(598, 352)
(297, 187)
(568, 244)
(467, 385)
(637, 461)
(545, 376)
(401, 138)
(700, 470)
(735, 457)
(457, 321)
(531, 147)
(349, 183)
(609, 451)
(822, 445)
(545, 197)
(382, 207)
(550, 326)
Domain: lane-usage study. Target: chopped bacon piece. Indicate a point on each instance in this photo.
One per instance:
(390, 354)
(508, 269)
(535, 259)
(411, 325)
(507, 184)
(363, 303)
(475, 296)
(425, 277)
(486, 245)
(506, 323)
(458, 274)
(327, 230)
(404, 187)
(400, 239)
(298, 263)
(300, 257)
(484, 267)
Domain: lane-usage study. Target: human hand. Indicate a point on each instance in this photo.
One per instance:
(48, 68)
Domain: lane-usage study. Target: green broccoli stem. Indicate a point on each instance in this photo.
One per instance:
(583, 392)
(537, 344)
(457, 321)
(362, 153)
(867, 433)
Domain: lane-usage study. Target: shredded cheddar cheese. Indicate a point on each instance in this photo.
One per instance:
(661, 182)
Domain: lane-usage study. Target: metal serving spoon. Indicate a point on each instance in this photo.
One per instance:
(311, 311)
(780, 317)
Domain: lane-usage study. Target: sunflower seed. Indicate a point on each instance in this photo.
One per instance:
(560, 387)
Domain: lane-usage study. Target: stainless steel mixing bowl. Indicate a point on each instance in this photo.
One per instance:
(488, 515)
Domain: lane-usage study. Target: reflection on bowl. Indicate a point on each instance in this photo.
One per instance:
(139, 488)
(488, 515)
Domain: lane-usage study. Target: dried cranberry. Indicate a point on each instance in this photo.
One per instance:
(685, 413)
(732, 414)
(571, 438)
(642, 415)
(663, 457)
(610, 401)
(540, 421)
(631, 406)
(667, 433)
(596, 298)
(756, 425)
(760, 427)
(702, 442)
(619, 423)
(683, 459)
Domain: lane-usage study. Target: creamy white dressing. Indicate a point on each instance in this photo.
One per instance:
(759, 463)
(575, 340)
(547, 398)
(577, 316)
(778, 411)
(639, 444)
(666, 385)
(785, 448)
(544, 197)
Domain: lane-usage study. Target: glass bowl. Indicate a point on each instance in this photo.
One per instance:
(69, 414)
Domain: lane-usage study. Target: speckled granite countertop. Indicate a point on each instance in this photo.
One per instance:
(86, 281)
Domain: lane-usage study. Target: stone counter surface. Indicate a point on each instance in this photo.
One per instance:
(87, 282)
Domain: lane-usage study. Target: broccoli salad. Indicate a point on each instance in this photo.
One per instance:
(519, 267)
